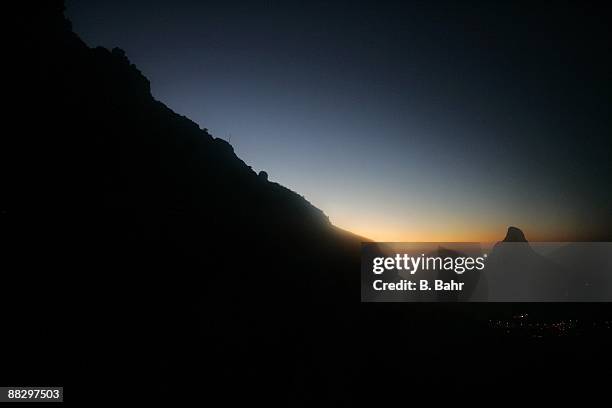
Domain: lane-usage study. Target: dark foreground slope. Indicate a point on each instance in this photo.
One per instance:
(180, 262)
(145, 254)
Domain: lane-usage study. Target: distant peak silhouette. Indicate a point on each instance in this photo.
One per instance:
(514, 234)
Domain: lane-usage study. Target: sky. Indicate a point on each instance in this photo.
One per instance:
(422, 121)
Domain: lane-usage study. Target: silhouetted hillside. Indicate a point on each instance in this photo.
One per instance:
(181, 267)
(189, 264)
(183, 258)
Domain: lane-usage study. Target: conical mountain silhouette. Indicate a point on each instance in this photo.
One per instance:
(517, 272)
(515, 235)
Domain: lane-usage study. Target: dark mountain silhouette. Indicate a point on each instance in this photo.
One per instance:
(515, 235)
(185, 272)
(187, 259)
(516, 271)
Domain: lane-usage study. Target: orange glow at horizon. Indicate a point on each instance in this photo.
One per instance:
(452, 233)
(435, 214)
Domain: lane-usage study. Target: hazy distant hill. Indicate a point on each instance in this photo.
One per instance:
(516, 272)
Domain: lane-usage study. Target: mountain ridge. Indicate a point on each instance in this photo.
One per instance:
(165, 237)
(157, 260)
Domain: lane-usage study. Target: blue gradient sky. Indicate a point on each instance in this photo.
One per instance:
(401, 122)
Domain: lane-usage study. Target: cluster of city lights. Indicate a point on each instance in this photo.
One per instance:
(522, 325)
